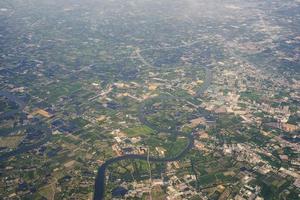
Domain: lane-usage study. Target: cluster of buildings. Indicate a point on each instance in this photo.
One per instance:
(176, 188)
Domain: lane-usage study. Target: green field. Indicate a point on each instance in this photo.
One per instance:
(139, 131)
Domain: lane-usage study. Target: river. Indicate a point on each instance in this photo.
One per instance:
(99, 188)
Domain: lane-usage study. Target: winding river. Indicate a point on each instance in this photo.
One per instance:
(99, 188)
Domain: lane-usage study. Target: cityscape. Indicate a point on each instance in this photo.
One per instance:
(150, 99)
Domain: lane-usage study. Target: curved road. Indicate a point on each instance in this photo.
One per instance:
(99, 188)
